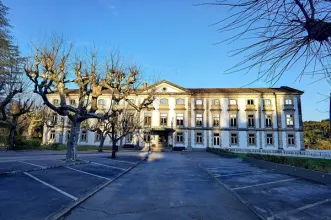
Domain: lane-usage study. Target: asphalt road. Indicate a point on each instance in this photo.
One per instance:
(37, 186)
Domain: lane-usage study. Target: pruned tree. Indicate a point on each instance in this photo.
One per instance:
(279, 35)
(116, 127)
(15, 118)
(50, 73)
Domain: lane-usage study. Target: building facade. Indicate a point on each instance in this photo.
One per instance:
(197, 118)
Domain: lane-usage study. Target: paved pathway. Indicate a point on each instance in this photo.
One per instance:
(167, 186)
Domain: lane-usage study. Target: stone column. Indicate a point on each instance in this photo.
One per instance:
(279, 122)
(189, 109)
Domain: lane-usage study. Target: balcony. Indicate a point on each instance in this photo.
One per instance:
(268, 108)
(180, 107)
(289, 107)
(233, 108)
(215, 107)
(199, 108)
(164, 107)
(250, 108)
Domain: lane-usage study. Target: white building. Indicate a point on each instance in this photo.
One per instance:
(197, 118)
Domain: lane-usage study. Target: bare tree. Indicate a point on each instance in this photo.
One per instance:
(279, 34)
(15, 118)
(50, 73)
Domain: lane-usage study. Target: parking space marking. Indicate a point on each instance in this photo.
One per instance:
(32, 164)
(91, 174)
(108, 166)
(262, 184)
(51, 186)
(237, 174)
(299, 209)
(122, 161)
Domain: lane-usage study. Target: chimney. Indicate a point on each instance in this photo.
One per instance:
(144, 86)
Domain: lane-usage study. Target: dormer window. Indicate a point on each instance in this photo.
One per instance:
(164, 101)
(233, 102)
(288, 102)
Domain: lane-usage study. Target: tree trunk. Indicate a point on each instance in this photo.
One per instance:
(11, 137)
(73, 140)
(113, 149)
(101, 143)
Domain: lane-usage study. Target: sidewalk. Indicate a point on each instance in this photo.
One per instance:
(167, 186)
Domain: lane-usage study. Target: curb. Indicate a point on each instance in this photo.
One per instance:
(60, 213)
(233, 193)
(36, 169)
(312, 175)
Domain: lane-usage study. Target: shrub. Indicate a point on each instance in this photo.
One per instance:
(307, 163)
(24, 144)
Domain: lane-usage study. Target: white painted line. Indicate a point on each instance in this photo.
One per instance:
(108, 166)
(243, 173)
(122, 161)
(32, 164)
(299, 209)
(91, 174)
(279, 181)
(51, 186)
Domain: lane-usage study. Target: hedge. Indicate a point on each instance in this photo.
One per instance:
(24, 144)
(303, 162)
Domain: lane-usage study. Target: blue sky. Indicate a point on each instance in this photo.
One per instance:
(170, 40)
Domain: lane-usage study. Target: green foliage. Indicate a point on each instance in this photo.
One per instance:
(317, 134)
(323, 165)
(25, 144)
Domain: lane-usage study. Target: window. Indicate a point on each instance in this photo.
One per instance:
(83, 136)
(216, 120)
(52, 135)
(267, 102)
(216, 139)
(147, 138)
(86, 102)
(101, 102)
(55, 102)
(234, 138)
(180, 119)
(289, 121)
(54, 118)
(233, 102)
(199, 138)
(98, 136)
(132, 101)
(251, 139)
(198, 102)
(288, 102)
(180, 101)
(268, 121)
(250, 102)
(216, 101)
(164, 101)
(233, 120)
(179, 137)
(163, 119)
(68, 135)
(270, 140)
(73, 102)
(290, 139)
(148, 120)
(251, 121)
(198, 120)
(129, 138)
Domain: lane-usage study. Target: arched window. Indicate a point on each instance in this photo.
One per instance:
(180, 101)
(101, 102)
(164, 101)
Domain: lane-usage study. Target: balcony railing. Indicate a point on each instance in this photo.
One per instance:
(233, 108)
(250, 108)
(180, 107)
(268, 108)
(288, 107)
(199, 107)
(215, 107)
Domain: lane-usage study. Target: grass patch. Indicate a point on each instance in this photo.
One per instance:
(323, 165)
